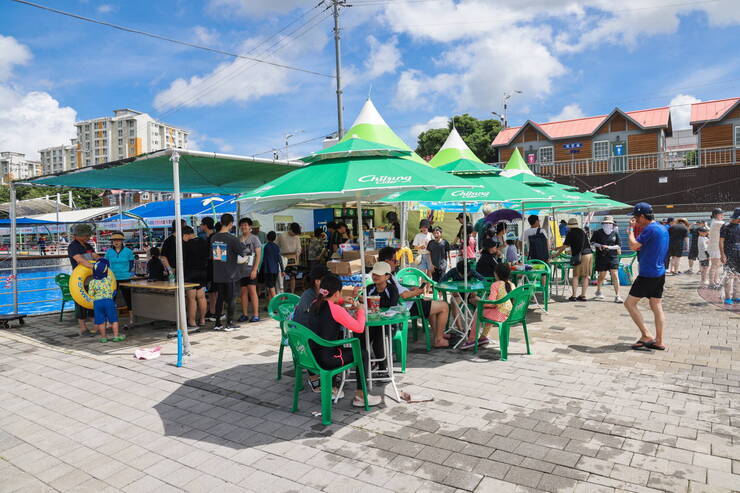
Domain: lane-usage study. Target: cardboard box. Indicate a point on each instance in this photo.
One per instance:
(348, 291)
(350, 255)
(345, 268)
(370, 259)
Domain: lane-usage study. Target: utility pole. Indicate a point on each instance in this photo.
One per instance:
(337, 51)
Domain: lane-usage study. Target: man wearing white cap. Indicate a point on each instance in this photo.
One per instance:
(605, 242)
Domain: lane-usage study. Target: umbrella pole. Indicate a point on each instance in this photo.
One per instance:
(465, 244)
(182, 324)
(13, 249)
(362, 289)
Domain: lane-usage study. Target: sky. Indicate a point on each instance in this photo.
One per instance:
(421, 61)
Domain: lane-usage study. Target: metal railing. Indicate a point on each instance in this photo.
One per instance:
(676, 159)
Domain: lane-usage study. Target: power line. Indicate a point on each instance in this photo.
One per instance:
(210, 83)
(253, 51)
(312, 139)
(170, 40)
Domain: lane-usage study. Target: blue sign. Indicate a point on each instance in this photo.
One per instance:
(619, 149)
(574, 151)
(321, 217)
(574, 145)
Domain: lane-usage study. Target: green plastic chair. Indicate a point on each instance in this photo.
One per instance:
(280, 309)
(537, 283)
(520, 298)
(62, 280)
(411, 277)
(303, 358)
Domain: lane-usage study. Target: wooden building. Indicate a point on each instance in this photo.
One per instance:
(618, 142)
(717, 126)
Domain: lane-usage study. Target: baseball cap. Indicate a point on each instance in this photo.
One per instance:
(510, 236)
(381, 269)
(702, 229)
(642, 208)
(716, 211)
(736, 213)
(100, 269)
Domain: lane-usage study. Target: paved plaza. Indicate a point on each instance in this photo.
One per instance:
(583, 413)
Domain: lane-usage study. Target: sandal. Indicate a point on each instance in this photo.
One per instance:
(314, 385)
(103, 339)
(572, 298)
(641, 344)
(654, 345)
(582, 298)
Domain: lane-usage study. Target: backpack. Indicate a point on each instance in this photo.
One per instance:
(538, 246)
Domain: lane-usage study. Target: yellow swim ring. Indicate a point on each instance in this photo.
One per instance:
(77, 285)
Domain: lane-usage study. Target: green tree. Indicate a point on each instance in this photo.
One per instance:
(83, 198)
(477, 134)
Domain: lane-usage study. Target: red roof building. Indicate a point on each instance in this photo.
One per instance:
(717, 127)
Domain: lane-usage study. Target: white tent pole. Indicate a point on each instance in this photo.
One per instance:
(404, 223)
(181, 313)
(363, 290)
(13, 249)
(465, 244)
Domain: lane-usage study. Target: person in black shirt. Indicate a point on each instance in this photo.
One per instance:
(439, 254)
(694, 244)
(678, 234)
(154, 267)
(196, 253)
(80, 251)
(606, 243)
(225, 249)
(488, 260)
(577, 240)
(169, 248)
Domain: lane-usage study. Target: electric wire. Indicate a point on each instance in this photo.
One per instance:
(170, 40)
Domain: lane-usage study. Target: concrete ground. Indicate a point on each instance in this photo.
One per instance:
(582, 413)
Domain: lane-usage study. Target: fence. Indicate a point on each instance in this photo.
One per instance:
(667, 160)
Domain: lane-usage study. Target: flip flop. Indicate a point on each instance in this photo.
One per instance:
(641, 344)
(654, 345)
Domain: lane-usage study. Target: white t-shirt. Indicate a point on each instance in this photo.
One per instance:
(713, 247)
(421, 240)
(401, 290)
(703, 243)
(529, 232)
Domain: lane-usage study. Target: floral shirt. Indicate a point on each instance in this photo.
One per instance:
(500, 312)
(101, 289)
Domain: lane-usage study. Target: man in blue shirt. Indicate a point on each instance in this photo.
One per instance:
(652, 245)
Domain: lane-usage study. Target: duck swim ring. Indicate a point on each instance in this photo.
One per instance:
(77, 285)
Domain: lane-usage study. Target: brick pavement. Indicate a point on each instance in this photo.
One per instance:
(583, 413)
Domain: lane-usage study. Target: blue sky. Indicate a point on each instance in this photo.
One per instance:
(422, 60)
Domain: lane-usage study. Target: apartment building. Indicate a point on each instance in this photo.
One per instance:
(15, 166)
(126, 134)
(60, 158)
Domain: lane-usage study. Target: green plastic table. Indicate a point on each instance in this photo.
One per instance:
(464, 314)
(381, 319)
(531, 276)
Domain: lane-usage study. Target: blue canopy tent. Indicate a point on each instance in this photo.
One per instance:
(164, 211)
(26, 221)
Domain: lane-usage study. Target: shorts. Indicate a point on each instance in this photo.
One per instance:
(269, 279)
(713, 252)
(426, 307)
(198, 277)
(424, 263)
(704, 263)
(292, 270)
(247, 281)
(606, 263)
(675, 250)
(648, 287)
(81, 313)
(693, 252)
(584, 268)
(105, 311)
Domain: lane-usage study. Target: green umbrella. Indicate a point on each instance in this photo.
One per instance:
(353, 169)
(453, 149)
(468, 166)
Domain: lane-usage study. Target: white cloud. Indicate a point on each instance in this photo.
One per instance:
(569, 112)
(11, 53)
(681, 110)
(434, 122)
(204, 35)
(384, 58)
(105, 8)
(30, 121)
(33, 121)
(249, 8)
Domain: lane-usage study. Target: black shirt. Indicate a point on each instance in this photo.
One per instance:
(438, 251)
(607, 240)
(677, 234)
(77, 248)
(577, 241)
(731, 233)
(155, 269)
(169, 250)
(388, 297)
(225, 248)
(196, 253)
(486, 265)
